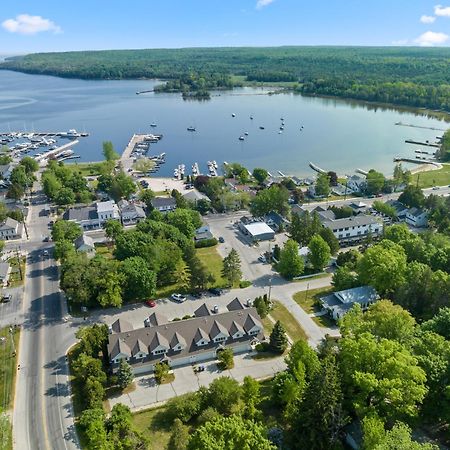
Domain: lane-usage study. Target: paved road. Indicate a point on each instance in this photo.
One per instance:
(43, 413)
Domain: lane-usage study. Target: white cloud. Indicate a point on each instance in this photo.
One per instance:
(261, 3)
(431, 38)
(427, 19)
(26, 24)
(443, 11)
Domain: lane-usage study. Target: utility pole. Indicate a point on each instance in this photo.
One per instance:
(11, 332)
(307, 289)
(19, 262)
(270, 288)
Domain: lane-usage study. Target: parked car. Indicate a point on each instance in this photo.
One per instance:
(262, 258)
(215, 309)
(47, 239)
(221, 240)
(249, 302)
(178, 298)
(435, 188)
(6, 298)
(200, 368)
(197, 295)
(150, 303)
(215, 291)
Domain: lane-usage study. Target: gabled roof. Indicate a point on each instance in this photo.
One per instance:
(202, 311)
(217, 329)
(106, 206)
(139, 347)
(9, 223)
(251, 322)
(84, 240)
(416, 212)
(157, 319)
(195, 196)
(357, 294)
(121, 326)
(177, 339)
(200, 335)
(120, 348)
(235, 305)
(159, 202)
(350, 222)
(235, 328)
(4, 269)
(159, 341)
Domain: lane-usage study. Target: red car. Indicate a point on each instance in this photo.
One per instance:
(151, 303)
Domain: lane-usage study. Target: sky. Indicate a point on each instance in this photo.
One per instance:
(56, 25)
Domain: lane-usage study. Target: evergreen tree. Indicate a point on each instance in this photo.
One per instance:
(231, 270)
(278, 339)
(124, 374)
(319, 417)
(179, 437)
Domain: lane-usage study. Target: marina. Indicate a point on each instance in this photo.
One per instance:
(337, 135)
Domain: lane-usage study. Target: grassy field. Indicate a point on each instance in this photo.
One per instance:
(308, 300)
(432, 178)
(15, 278)
(324, 321)
(87, 169)
(5, 432)
(8, 365)
(104, 250)
(293, 329)
(213, 261)
(155, 427)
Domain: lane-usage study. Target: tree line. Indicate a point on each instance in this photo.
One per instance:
(416, 77)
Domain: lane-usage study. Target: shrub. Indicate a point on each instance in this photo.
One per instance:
(225, 358)
(185, 407)
(244, 284)
(161, 372)
(262, 347)
(206, 243)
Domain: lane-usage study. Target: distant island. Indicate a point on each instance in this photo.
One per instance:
(407, 76)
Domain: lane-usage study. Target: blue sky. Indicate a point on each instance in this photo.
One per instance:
(58, 25)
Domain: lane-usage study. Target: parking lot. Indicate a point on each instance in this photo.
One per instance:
(148, 393)
(224, 225)
(11, 311)
(137, 313)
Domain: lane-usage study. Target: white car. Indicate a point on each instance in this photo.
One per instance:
(262, 258)
(178, 298)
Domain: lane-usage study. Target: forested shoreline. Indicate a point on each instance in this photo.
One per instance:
(409, 76)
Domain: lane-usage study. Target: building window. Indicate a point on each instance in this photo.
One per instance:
(220, 339)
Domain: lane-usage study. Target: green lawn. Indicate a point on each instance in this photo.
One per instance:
(8, 365)
(5, 432)
(16, 277)
(213, 261)
(104, 250)
(324, 321)
(292, 327)
(87, 169)
(308, 299)
(431, 178)
(155, 427)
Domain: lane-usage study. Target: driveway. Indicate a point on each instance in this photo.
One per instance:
(148, 393)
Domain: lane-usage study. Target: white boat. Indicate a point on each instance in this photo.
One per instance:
(153, 124)
(191, 128)
(241, 138)
(246, 133)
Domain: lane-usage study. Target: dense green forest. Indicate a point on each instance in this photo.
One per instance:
(408, 76)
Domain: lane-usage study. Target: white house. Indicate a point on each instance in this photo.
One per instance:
(9, 229)
(85, 244)
(187, 341)
(354, 228)
(416, 217)
(130, 213)
(5, 270)
(164, 204)
(356, 183)
(93, 216)
(339, 303)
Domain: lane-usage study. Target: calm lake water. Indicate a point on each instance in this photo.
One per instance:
(337, 135)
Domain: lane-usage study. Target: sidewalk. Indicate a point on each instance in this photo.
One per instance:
(149, 394)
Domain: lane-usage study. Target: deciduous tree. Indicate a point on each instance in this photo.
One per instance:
(319, 253)
(291, 264)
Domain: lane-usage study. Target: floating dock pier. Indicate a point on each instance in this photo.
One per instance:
(427, 144)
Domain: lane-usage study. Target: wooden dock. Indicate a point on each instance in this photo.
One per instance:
(416, 161)
(426, 144)
(316, 168)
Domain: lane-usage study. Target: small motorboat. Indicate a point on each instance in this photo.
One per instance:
(261, 128)
(241, 138)
(233, 115)
(191, 128)
(246, 133)
(153, 125)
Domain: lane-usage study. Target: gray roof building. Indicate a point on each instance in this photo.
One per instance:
(84, 243)
(164, 203)
(121, 326)
(195, 196)
(339, 303)
(183, 339)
